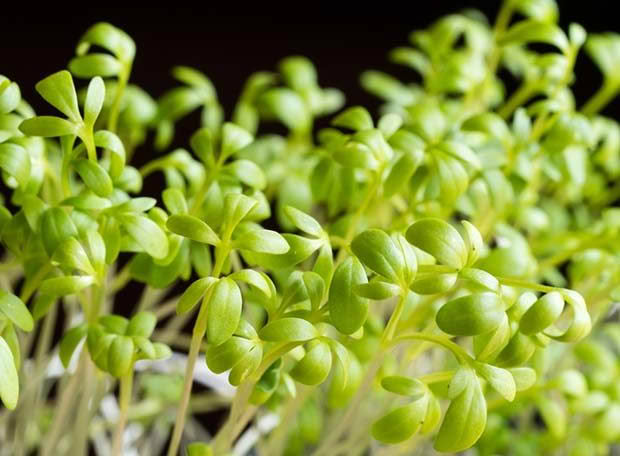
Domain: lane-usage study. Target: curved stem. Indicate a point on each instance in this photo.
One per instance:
(123, 78)
(126, 384)
(601, 98)
(518, 98)
(459, 352)
(352, 228)
(238, 418)
(386, 343)
(525, 284)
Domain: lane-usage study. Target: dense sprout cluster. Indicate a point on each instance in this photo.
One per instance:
(431, 275)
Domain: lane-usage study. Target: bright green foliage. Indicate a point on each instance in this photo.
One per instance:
(407, 250)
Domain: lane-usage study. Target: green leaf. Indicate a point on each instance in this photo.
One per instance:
(95, 95)
(175, 201)
(248, 173)
(146, 233)
(288, 329)
(120, 356)
(524, 377)
(62, 286)
(542, 314)
(162, 351)
(95, 64)
(303, 221)
(401, 423)
(553, 415)
(288, 107)
(473, 241)
(472, 314)
(464, 420)
(520, 348)
(347, 310)
(480, 279)
(298, 72)
(111, 142)
(234, 138)
(10, 95)
(345, 383)
(70, 254)
(246, 365)
(500, 379)
(108, 37)
(389, 123)
(439, 239)
(377, 251)
(94, 176)
(56, 227)
(42, 304)
(114, 324)
(402, 171)
(300, 249)
(354, 154)
(11, 338)
(15, 161)
(33, 208)
(315, 366)
(141, 324)
(535, 31)
(315, 288)
(15, 310)
(262, 241)
(199, 449)
(571, 382)
(356, 118)
(193, 228)
(488, 345)
(403, 386)
(193, 294)
(604, 49)
(146, 347)
(377, 290)
(427, 284)
(581, 323)
(254, 278)
(221, 358)
(47, 127)
(9, 383)
(224, 311)
(69, 343)
(59, 91)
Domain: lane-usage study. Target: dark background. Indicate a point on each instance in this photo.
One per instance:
(342, 40)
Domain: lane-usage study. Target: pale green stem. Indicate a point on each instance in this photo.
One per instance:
(355, 219)
(123, 78)
(200, 329)
(79, 442)
(31, 285)
(198, 334)
(525, 284)
(518, 98)
(126, 384)
(601, 98)
(238, 416)
(32, 400)
(277, 439)
(459, 352)
(363, 390)
(63, 407)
